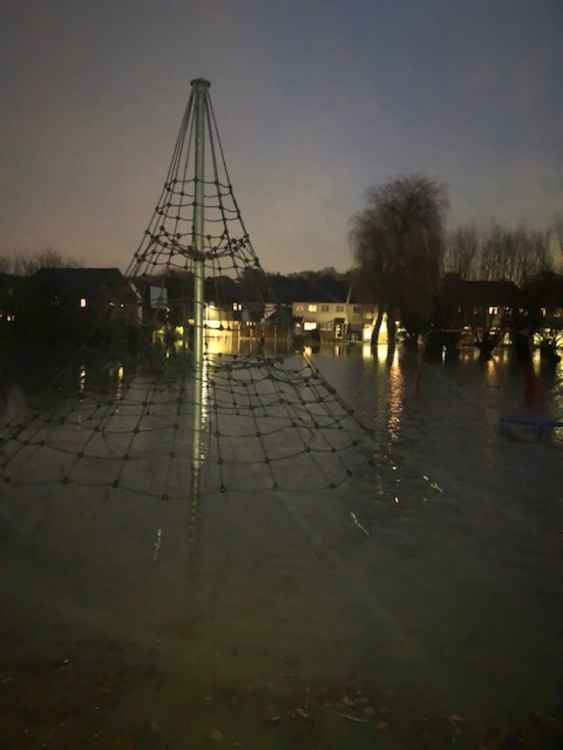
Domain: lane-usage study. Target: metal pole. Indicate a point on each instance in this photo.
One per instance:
(200, 88)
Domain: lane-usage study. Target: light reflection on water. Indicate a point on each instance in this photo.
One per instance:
(83, 373)
(395, 397)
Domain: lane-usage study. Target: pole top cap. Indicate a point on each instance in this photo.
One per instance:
(200, 82)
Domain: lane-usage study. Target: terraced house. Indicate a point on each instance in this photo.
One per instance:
(335, 320)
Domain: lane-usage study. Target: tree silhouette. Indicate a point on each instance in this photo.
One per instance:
(398, 246)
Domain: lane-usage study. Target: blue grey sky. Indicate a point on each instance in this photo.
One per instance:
(316, 101)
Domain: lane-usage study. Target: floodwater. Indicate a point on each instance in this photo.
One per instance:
(418, 607)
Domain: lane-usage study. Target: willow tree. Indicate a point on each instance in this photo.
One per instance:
(398, 242)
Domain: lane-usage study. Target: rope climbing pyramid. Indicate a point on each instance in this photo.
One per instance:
(197, 219)
(178, 417)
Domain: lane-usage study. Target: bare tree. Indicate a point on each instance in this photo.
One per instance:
(398, 246)
(498, 253)
(27, 264)
(462, 252)
(513, 254)
(558, 229)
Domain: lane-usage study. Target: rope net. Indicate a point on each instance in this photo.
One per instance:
(266, 425)
(268, 422)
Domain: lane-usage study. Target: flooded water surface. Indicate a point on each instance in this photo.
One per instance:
(417, 605)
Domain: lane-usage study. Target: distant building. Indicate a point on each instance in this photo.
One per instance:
(100, 293)
(335, 320)
(61, 304)
(477, 305)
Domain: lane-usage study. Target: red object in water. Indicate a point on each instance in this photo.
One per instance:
(534, 388)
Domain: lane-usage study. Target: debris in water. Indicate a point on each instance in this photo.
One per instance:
(302, 713)
(349, 717)
(216, 735)
(358, 524)
(156, 545)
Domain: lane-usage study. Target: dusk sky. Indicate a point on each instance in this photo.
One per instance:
(316, 101)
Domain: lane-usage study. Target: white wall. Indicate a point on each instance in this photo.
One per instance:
(324, 313)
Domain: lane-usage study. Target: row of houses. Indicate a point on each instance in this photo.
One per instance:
(75, 303)
(473, 306)
(71, 300)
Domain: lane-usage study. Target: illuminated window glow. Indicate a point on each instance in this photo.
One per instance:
(312, 308)
(83, 302)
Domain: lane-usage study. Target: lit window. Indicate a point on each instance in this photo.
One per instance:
(310, 325)
(83, 302)
(543, 311)
(493, 310)
(299, 308)
(312, 308)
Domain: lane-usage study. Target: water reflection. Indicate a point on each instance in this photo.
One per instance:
(383, 353)
(477, 519)
(204, 406)
(82, 379)
(232, 343)
(395, 399)
(491, 371)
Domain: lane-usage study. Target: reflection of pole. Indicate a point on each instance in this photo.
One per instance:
(199, 88)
